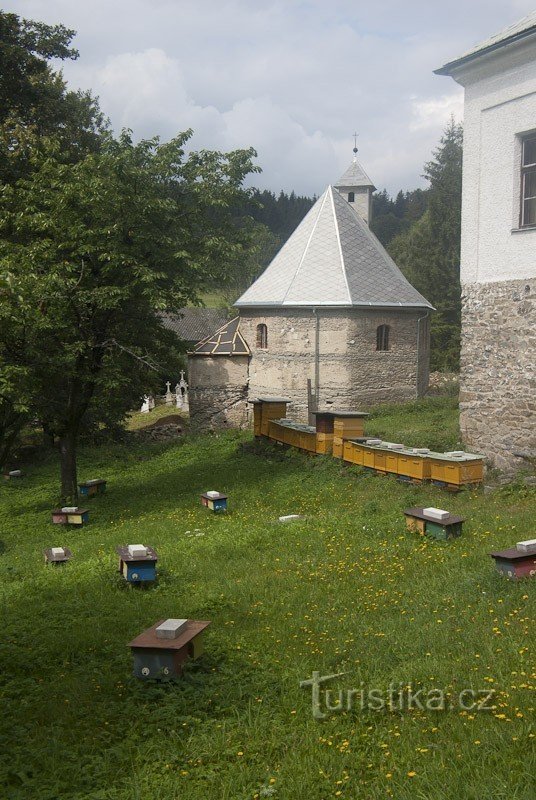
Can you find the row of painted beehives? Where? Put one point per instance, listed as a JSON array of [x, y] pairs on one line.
[[341, 434], [160, 651]]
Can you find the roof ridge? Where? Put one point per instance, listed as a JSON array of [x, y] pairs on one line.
[[343, 264], [302, 259]]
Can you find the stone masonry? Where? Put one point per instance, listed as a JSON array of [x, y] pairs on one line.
[[351, 373], [218, 391], [498, 372]]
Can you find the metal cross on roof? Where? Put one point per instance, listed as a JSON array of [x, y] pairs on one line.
[[355, 142]]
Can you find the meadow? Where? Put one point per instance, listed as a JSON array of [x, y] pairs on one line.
[[348, 589]]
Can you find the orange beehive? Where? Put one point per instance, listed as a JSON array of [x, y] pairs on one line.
[[456, 469], [270, 408], [348, 424], [324, 443], [414, 465]]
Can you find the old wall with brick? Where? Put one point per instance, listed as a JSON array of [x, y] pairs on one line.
[[498, 371], [218, 391], [350, 371]]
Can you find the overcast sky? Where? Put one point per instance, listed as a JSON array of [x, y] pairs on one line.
[[292, 78]]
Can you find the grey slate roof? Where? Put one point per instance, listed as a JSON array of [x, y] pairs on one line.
[[194, 324], [519, 30], [227, 341], [355, 175], [332, 259]]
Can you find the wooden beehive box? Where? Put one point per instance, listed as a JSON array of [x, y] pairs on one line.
[[92, 487], [413, 464], [57, 555], [215, 501], [438, 527], [515, 563], [456, 469], [337, 451], [271, 408], [160, 657], [70, 515], [137, 563], [348, 424]]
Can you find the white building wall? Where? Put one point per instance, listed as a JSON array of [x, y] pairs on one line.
[[500, 104]]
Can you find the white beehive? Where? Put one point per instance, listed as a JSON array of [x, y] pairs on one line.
[[57, 552], [436, 513], [171, 628]]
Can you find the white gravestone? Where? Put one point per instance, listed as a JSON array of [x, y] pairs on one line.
[[145, 405]]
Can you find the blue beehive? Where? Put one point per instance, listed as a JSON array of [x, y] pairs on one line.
[[137, 563]]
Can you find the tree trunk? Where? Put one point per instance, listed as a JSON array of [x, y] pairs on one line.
[[69, 483]]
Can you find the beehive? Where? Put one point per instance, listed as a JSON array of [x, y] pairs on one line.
[[413, 464], [456, 469], [157, 657], [439, 526], [70, 515], [215, 501], [269, 408], [137, 563], [515, 563], [337, 450], [348, 424], [92, 487], [57, 555]]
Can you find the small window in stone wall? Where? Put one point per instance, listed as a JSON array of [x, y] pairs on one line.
[[382, 337], [262, 337], [351, 197]]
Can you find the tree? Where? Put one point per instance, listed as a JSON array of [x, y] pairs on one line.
[[429, 253], [93, 251], [34, 100]]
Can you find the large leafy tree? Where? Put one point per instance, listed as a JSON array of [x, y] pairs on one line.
[[34, 99], [92, 251], [429, 253]]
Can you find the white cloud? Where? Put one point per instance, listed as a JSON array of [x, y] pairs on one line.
[[436, 112], [292, 79]]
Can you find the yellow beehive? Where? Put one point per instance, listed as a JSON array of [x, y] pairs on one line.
[[415, 525], [271, 409], [413, 465], [391, 462], [348, 427], [324, 443], [380, 460], [276, 431], [257, 417], [337, 447], [352, 452], [369, 453], [307, 441], [456, 470]]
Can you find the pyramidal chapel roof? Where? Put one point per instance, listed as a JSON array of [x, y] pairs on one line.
[[332, 259], [355, 175]]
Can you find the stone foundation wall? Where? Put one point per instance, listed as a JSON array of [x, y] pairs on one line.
[[218, 391], [498, 372], [351, 372]]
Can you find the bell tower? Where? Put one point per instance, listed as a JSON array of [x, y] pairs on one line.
[[356, 187]]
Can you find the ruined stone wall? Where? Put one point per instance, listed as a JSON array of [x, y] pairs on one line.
[[498, 371], [218, 391], [351, 372]]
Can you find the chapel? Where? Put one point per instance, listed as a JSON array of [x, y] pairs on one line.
[[331, 323]]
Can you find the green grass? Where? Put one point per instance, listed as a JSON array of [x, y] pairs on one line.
[[347, 590]]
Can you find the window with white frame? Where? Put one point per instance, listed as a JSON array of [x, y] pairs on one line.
[[528, 181]]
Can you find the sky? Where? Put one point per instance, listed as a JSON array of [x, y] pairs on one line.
[[292, 78]]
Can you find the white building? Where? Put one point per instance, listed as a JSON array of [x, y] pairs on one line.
[[498, 253]]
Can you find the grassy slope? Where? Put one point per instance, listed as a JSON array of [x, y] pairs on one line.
[[348, 590]]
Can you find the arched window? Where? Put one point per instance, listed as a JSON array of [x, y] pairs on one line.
[[262, 337], [351, 197], [382, 337]]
